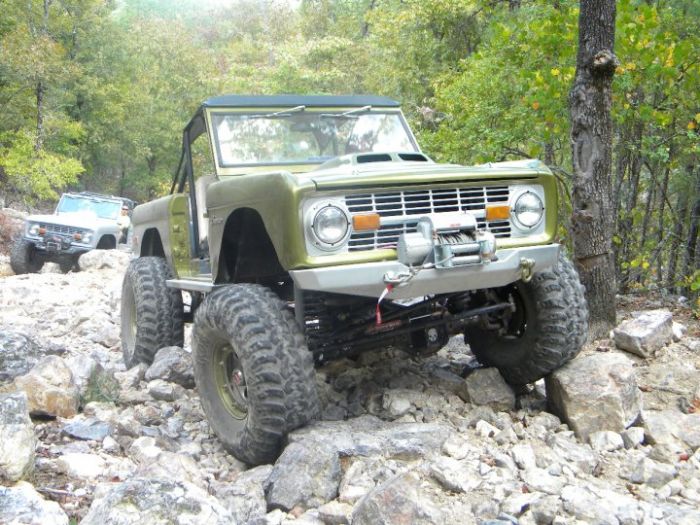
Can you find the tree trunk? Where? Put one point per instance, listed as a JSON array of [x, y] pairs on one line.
[[691, 243], [681, 211], [40, 91], [590, 100]]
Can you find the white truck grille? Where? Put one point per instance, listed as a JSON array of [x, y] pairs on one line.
[[59, 228], [400, 211]]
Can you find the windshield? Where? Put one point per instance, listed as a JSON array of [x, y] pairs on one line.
[[302, 137], [77, 204]]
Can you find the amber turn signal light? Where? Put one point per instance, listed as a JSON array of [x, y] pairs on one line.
[[366, 222], [42, 231], [497, 213]]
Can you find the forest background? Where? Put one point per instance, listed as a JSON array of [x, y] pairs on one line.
[[94, 94]]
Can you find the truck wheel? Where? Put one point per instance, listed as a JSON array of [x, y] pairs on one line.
[[23, 258], [547, 329], [151, 314], [66, 265], [253, 370]]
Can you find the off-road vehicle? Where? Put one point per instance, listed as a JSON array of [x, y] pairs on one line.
[[82, 222], [301, 229]]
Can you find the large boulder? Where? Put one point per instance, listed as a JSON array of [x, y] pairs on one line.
[[22, 504], [99, 259], [486, 386], [672, 428], [646, 333], [595, 392], [143, 500], [50, 388], [19, 352], [17, 438], [306, 475], [172, 364]]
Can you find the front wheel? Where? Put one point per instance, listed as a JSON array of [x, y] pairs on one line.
[[548, 327], [152, 313], [253, 371], [24, 258]]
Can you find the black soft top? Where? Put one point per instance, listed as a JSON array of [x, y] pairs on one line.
[[324, 101]]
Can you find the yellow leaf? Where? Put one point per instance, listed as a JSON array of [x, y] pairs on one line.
[[555, 72], [535, 105], [645, 265], [691, 125], [697, 117]]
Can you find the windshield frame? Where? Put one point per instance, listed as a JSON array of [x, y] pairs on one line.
[[301, 165]]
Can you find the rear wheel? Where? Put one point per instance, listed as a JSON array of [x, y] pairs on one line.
[[24, 257], [548, 327], [151, 313], [253, 371]]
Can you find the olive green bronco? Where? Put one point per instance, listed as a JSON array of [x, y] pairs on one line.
[[301, 229]]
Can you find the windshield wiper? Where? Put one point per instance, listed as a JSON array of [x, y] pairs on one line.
[[347, 114], [282, 113]]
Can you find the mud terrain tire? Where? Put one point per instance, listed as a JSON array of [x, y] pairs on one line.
[[552, 326], [151, 313], [253, 371], [23, 258]]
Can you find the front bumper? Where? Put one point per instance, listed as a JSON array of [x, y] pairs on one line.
[[368, 279], [57, 248]]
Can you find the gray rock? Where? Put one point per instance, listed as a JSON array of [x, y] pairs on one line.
[[398, 500], [678, 331], [163, 391], [606, 441], [50, 388], [19, 352], [457, 476], [645, 333], [21, 504], [652, 473], [633, 437], [486, 386], [541, 481], [397, 402], [579, 457], [672, 428], [172, 364], [88, 429], [143, 500], [587, 506], [17, 438], [595, 392], [306, 474], [81, 465], [449, 382], [245, 496], [545, 509], [335, 513], [524, 456]]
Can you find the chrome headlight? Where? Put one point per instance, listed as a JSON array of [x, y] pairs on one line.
[[528, 210], [86, 237], [330, 225], [33, 229]]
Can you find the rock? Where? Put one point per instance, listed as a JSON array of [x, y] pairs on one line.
[[50, 388], [586, 506], [17, 438], [305, 475], [580, 458], [398, 500], [646, 333], [524, 456], [678, 330], [545, 509], [457, 476], [19, 352], [606, 441], [672, 428], [335, 513], [486, 386], [245, 496], [142, 500], [652, 473], [540, 480], [88, 429], [99, 259], [163, 391], [485, 429], [397, 402], [132, 377], [633, 437], [21, 504], [595, 392], [80, 465], [172, 364]]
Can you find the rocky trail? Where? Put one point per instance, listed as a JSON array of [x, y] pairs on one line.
[[82, 440]]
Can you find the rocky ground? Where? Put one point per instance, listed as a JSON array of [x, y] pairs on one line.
[[402, 440]]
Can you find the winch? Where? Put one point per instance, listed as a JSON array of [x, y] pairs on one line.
[[446, 240]]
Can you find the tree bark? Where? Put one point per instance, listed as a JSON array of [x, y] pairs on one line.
[[691, 243], [682, 210], [592, 219]]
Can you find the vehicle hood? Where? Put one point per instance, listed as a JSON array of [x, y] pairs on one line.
[[75, 220], [375, 174]]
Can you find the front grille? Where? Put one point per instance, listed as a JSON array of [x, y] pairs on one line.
[[58, 228], [404, 208]]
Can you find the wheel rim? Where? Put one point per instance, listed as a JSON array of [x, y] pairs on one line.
[[230, 381], [517, 324]]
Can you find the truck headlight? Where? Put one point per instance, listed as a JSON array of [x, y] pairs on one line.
[[330, 224], [86, 237], [528, 209], [33, 229]]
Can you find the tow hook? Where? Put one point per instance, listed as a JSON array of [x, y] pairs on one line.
[[526, 266]]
